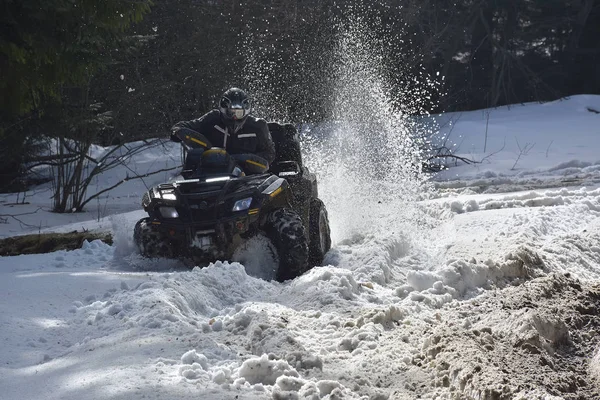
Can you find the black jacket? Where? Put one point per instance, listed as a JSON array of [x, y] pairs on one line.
[[253, 137]]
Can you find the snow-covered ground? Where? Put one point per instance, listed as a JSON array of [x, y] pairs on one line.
[[492, 291]]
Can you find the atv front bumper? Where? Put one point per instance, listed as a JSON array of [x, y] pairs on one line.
[[202, 242]]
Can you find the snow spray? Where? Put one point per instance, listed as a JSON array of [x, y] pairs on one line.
[[368, 152]]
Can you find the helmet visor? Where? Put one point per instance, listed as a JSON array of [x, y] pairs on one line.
[[235, 109], [237, 113]]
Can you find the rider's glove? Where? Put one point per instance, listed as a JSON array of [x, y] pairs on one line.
[[174, 137]]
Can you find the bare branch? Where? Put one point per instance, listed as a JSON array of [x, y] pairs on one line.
[[487, 123], [452, 122], [4, 218], [495, 152], [123, 181], [444, 153], [454, 156], [548, 149], [102, 165], [523, 151], [51, 160]]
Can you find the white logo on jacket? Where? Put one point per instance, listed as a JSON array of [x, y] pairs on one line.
[[225, 135]]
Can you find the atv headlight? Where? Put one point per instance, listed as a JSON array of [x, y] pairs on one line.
[[168, 212], [242, 204], [168, 195]]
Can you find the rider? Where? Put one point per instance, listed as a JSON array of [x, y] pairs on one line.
[[232, 127]]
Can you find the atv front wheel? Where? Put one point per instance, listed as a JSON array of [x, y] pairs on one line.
[[285, 230], [149, 241], [320, 233]]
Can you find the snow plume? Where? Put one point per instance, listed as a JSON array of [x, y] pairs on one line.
[[368, 158], [362, 137]]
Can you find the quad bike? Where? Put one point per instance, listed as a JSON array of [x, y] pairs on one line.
[[225, 199]]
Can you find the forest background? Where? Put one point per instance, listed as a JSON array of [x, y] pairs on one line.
[[87, 72]]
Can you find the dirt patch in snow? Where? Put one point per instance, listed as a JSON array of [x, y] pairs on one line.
[[534, 341]]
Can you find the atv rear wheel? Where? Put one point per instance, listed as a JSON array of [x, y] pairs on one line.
[[285, 230], [149, 241], [320, 233]]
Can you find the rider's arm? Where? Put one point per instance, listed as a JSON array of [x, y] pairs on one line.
[[200, 125]]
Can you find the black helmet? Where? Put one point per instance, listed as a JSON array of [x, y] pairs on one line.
[[235, 106]]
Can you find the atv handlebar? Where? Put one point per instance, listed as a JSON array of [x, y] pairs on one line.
[[251, 163], [190, 139]]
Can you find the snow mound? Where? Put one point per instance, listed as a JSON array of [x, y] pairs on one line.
[[509, 334], [195, 365], [265, 370]]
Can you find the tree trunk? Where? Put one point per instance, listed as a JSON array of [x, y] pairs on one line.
[[482, 56], [501, 87], [571, 67]]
